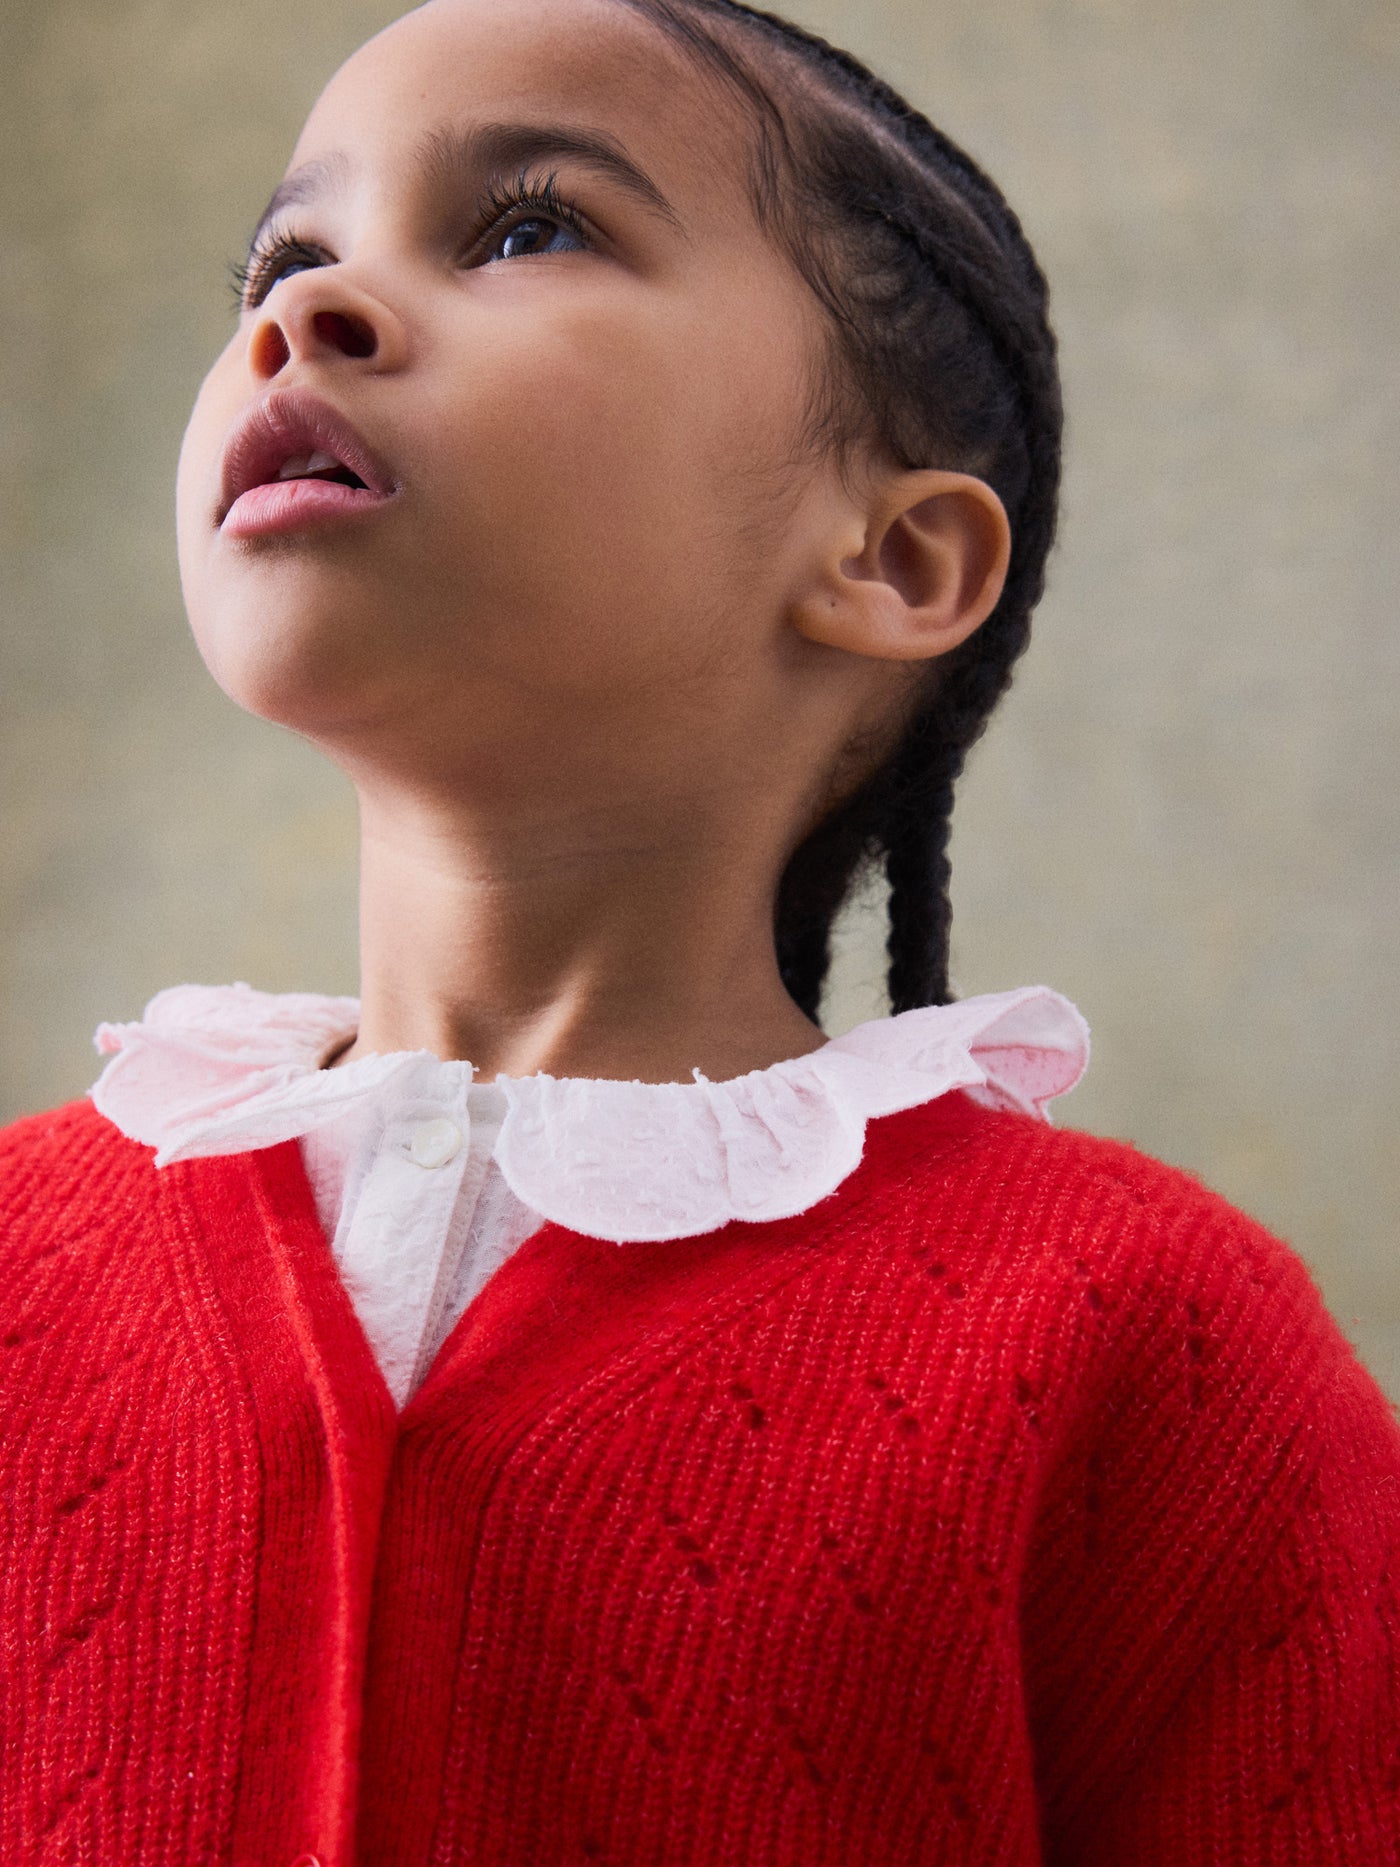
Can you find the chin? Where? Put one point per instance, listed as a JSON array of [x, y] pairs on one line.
[[303, 671]]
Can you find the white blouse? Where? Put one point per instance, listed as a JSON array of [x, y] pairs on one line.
[[426, 1180]]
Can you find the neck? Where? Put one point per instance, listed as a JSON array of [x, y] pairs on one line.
[[626, 942]]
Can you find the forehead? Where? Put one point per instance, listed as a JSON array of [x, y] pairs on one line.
[[580, 63]]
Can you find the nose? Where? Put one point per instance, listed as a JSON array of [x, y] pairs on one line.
[[320, 316]]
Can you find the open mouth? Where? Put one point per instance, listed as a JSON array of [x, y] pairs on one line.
[[293, 460], [318, 466]]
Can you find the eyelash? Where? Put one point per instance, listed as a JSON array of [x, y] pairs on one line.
[[503, 206]]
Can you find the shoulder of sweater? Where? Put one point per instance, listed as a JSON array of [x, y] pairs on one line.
[[1170, 1260], [1059, 1172], [61, 1155], [53, 1133], [1199, 1326]]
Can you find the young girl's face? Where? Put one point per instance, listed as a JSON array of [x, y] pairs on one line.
[[585, 408]]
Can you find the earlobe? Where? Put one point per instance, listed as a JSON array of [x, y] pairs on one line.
[[930, 568]]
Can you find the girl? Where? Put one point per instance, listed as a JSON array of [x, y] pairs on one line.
[[559, 1407]]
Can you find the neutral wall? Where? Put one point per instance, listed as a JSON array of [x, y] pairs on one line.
[[1187, 814]]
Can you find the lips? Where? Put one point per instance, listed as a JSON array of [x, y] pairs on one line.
[[292, 439]]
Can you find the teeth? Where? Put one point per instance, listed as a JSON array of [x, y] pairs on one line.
[[303, 464]]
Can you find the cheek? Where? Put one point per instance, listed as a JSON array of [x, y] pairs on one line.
[[615, 474]]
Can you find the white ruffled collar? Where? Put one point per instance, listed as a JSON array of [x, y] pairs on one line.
[[223, 1069]]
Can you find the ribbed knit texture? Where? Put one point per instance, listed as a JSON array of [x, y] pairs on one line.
[[1018, 1503]]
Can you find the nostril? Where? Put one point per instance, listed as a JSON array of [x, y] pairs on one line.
[[350, 335], [270, 352]]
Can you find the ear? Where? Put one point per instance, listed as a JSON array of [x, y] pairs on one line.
[[915, 573]]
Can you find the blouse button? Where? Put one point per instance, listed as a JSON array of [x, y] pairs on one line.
[[434, 1143], [306, 1860]]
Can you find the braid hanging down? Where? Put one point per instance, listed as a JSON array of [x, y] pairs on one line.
[[943, 354]]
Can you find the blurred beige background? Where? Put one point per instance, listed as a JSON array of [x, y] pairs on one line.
[[1187, 815]]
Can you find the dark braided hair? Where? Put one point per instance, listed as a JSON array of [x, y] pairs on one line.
[[942, 356]]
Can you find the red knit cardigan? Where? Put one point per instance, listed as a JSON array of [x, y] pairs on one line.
[[1018, 1503]]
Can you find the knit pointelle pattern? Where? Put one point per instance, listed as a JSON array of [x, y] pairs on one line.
[[1019, 1504]]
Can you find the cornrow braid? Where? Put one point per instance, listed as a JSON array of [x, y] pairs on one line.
[[942, 355]]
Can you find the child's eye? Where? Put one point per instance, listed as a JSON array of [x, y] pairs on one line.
[[264, 266], [535, 235], [527, 218]]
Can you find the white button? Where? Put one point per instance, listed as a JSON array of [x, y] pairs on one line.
[[435, 1142]]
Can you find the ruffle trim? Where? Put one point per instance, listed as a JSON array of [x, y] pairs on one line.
[[222, 1069]]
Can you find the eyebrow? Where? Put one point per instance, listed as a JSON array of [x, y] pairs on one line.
[[452, 156]]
